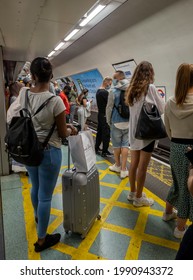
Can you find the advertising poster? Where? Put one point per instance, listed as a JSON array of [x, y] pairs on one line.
[[127, 67], [91, 80]]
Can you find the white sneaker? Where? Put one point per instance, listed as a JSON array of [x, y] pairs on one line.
[[124, 174], [169, 217], [179, 233], [115, 168], [143, 201], [131, 196]]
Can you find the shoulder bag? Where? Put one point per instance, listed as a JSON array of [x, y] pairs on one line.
[[150, 125]]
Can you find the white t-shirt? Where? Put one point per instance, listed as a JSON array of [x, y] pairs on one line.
[[44, 120]]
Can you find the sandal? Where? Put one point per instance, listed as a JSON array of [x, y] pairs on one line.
[[50, 240]]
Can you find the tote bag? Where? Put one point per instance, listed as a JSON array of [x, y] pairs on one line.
[[82, 151], [150, 125]]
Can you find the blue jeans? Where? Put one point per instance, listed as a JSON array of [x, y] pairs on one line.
[[44, 178]]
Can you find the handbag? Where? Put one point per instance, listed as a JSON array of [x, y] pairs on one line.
[[150, 125], [82, 151]]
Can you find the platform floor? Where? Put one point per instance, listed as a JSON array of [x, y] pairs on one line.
[[123, 233]]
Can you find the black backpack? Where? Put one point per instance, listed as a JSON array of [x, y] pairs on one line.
[[122, 108], [21, 140]]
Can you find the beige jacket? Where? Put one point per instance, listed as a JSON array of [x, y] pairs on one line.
[[179, 119]]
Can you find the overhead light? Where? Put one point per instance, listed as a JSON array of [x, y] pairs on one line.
[[59, 46], [71, 34], [50, 54], [92, 15]]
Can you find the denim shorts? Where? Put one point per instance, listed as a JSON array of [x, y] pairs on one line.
[[119, 137]]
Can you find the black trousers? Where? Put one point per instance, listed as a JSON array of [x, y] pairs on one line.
[[103, 133], [185, 251]]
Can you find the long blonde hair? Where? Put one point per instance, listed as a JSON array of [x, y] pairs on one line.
[[184, 81], [142, 77]]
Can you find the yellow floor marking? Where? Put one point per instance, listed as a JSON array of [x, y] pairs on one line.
[[65, 249], [30, 226], [160, 171], [58, 189], [137, 234], [133, 249], [55, 224]]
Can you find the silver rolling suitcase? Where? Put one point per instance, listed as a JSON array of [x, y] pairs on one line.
[[81, 199]]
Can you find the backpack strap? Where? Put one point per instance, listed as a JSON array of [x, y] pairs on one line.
[[41, 106], [116, 107], [44, 144]]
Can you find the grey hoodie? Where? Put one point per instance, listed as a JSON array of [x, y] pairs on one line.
[[122, 85], [179, 119]]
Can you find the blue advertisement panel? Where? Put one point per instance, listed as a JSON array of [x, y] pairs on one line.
[[91, 80]]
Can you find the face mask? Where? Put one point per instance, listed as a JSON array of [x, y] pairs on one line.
[[115, 82], [108, 87]]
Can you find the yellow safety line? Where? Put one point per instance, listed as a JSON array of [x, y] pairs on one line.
[[30, 227]]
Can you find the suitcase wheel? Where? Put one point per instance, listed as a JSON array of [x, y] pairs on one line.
[[99, 217]]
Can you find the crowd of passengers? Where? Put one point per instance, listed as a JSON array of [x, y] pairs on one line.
[[178, 116]]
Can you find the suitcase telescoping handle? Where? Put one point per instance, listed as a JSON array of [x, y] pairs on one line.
[[68, 156], [73, 168]]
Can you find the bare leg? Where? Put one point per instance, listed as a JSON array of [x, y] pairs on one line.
[[181, 223], [169, 208], [117, 153], [124, 154], [142, 170], [133, 169]]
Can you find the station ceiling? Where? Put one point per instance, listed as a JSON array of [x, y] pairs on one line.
[[34, 28]]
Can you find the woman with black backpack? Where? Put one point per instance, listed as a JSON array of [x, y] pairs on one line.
[[44, 176]]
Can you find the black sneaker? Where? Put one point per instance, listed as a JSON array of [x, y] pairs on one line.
[[107, 154], [98, 151], [50, 240]]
